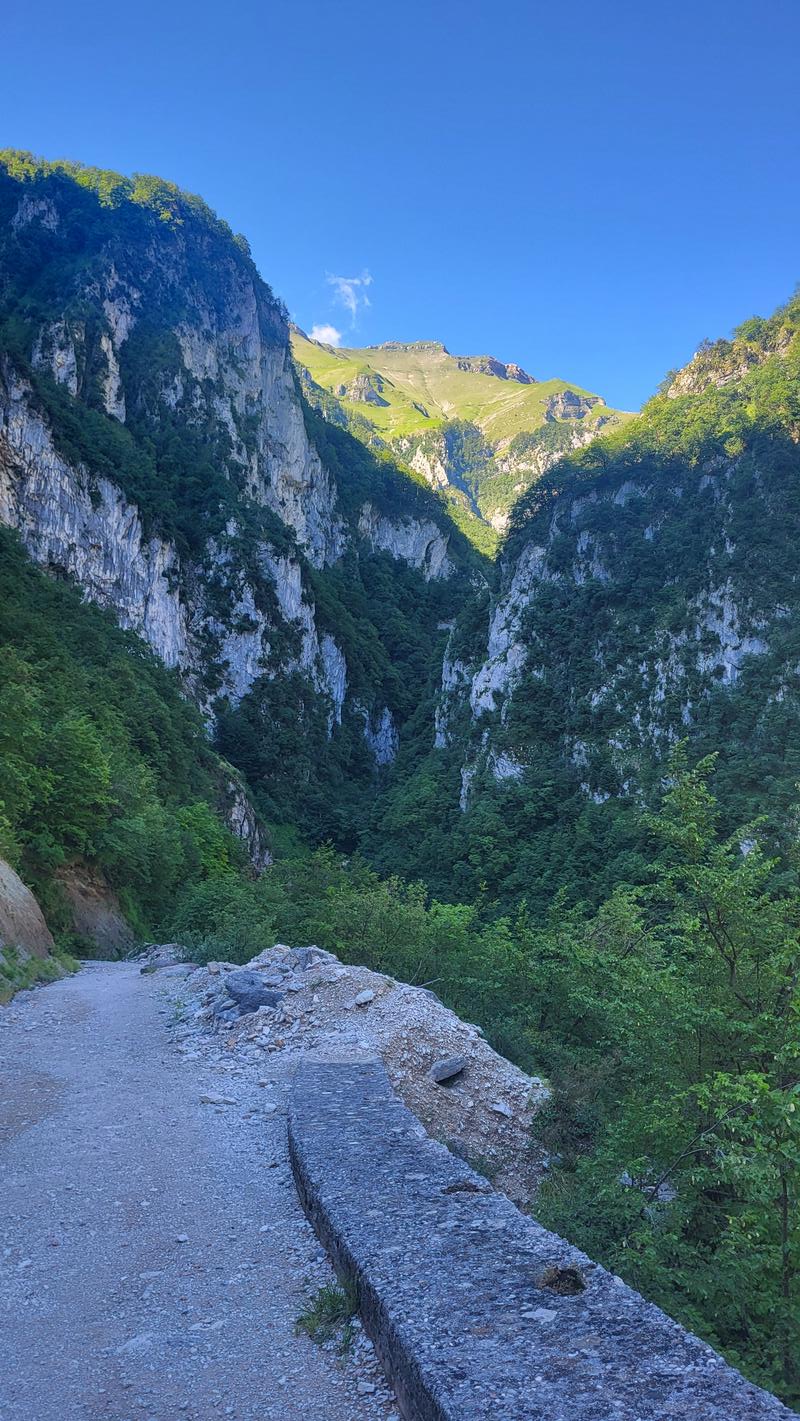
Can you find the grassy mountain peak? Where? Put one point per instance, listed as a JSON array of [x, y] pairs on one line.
[[477, 427]]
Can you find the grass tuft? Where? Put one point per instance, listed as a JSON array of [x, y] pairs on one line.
[[332, 1308]]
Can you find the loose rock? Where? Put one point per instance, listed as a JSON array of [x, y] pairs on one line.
[[250, 992], [353, 1013], [447, 1069]]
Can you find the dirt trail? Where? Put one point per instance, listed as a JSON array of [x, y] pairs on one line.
[[153, 1256]]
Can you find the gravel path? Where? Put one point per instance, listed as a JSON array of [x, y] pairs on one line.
[[153, 1254]]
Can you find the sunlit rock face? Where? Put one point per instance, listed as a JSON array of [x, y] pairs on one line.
[[85, 528], [163, 356]]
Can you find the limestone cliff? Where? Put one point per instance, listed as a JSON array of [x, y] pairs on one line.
[[155, 448], [647, 593]]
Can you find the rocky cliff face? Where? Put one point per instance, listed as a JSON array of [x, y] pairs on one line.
[[84, 527], [648, 592], [419, 542], [22, 924], [223, 351], [153, 444]]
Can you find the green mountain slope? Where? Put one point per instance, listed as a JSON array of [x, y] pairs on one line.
[[470, 424], [103, 762], [649, 592]]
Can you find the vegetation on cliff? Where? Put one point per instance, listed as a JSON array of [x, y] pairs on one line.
[[479, 430], [617, 914], [102, 759], [663, 603]]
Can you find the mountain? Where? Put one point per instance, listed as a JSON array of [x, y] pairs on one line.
[[347, 647], [648, 594], [476, 428], [154, 450]]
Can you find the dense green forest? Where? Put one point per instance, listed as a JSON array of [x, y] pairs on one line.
[[696, 504]]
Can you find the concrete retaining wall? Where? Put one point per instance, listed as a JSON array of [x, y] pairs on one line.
[[476, 1312]]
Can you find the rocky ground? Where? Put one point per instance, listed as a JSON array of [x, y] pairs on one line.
[[290, 1004], [155, 1258]]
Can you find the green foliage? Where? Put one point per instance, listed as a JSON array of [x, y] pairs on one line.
[[669, 1026], [667, 1023], [224, 918], [19, 970], [328, 1313], [169, 203], [101, 756]]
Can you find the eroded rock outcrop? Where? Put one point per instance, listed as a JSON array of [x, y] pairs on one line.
[[418, 541], [22, 923]]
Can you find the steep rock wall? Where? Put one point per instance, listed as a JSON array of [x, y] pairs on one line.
[[74, 524], [604, 609]]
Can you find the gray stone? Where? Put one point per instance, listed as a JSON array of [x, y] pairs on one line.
[[462, 1294], [447, 1069], [306, 957], [250, 992]]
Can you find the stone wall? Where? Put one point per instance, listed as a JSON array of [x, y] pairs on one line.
[[475, 1310]]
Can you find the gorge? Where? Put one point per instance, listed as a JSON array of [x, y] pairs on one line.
[[268, 667]]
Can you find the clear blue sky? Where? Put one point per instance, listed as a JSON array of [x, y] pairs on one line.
[[586, 189]]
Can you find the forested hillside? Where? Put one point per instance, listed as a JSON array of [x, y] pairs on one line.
[[649, 594], [102, 759], [560, 787]]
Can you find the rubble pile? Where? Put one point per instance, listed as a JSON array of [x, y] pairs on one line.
[[304, 1003]]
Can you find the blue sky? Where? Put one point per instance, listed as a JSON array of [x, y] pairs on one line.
[[586, 189]]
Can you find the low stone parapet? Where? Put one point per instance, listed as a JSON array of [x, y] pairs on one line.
[[478, 1313]]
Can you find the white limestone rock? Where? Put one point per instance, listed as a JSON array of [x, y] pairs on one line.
[[417, 541]]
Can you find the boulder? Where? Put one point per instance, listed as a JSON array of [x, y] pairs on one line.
[[249, 991], [448, 1069], [22, 922], [159, 955]]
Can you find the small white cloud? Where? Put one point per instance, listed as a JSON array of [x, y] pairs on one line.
[[351, 292], [326, 335]]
